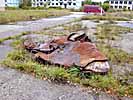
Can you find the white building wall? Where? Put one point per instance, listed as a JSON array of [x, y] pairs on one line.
[[2, 5], [121, 4], [12, 3], [70, 4]]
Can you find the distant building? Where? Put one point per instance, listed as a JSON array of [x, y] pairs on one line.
[[12, 3], [2, 5], [121, 4], [70, 4]]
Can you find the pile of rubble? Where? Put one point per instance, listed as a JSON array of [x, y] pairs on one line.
[[73, 50]]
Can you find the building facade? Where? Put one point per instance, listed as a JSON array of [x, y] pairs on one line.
[[2, 5], [12, 3], [121, 4], [70, 4]]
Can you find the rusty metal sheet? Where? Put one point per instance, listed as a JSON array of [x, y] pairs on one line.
[[69, 51]]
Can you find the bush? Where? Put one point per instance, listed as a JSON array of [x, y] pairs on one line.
[[105, 6]]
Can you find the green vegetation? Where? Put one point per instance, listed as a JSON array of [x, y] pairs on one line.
[[112, 16], [105, 6], [124, 14], [73, 27], [21, 15], [25, 3], [88, 2], [110, 31], [115, 55], [22, 60], [106, 33], [106, 17], [13, 37]]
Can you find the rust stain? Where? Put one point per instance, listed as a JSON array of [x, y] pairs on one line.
[[75, 49]]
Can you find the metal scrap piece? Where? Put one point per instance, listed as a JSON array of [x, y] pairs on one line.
[[72, 50]]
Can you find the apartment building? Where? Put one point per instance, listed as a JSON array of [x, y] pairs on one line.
[[2, 5], [70, 4], [12, 3], [121, 4]]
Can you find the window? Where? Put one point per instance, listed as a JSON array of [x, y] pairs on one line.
[[128, 8], [56, 3], [130, 2], [116, 2], [115, 6], [120, 7], [74, 3], [41, 3], [112, 2], [125, 2], [69, 3], [121, 2], [125, 7], [52, 3], [61, 3]]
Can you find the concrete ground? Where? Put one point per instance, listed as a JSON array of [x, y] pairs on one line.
[[15, 85]]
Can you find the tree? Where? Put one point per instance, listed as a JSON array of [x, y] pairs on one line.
[[87, 2], [25, 3], [105, 6], [106, 1]]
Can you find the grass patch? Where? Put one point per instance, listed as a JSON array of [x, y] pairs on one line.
[[125, 14], [106, 33], [115, 55], [110, 31], [106, 17], [22, 15], [14, 37], [22, 60], [112, 16], [73, 27]]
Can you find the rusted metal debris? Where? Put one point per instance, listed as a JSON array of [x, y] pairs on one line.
[[75, 49]]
